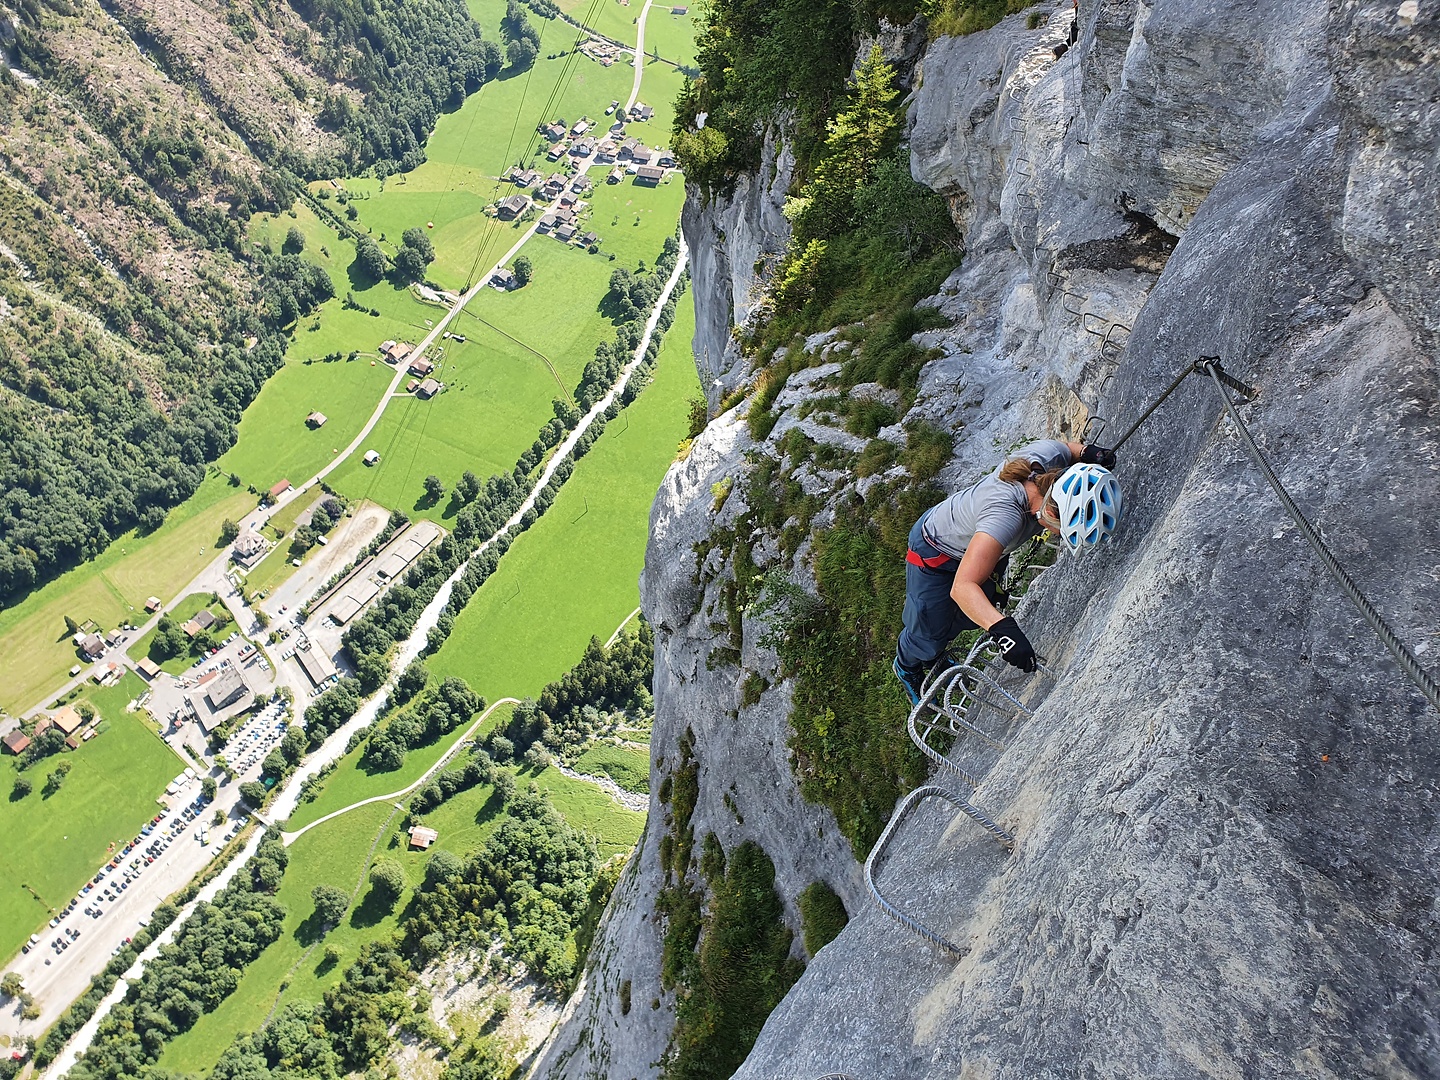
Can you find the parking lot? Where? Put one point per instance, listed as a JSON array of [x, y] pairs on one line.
[[245, 751], [57, 965]]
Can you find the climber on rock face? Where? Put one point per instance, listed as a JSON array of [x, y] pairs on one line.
[[959, 549]]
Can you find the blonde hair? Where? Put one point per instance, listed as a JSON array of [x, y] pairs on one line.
[[1019, 470]]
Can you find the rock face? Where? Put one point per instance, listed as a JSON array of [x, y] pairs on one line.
[[732, 237], [1226, 802]]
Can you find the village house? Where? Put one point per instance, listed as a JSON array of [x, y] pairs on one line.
[[546, 223], [112, 638], [554, 132], [611, 107], [503, 279], [371, 458], [148, 668], [429, 388], [422, 836], [556, 152], [17, 742], [589, 240], [682, 10], [649, 174], [67, 719], [527, 178], [617, 129], [565, 232], [153, 604], [109, 675], [248, 548], [581, 127], [665, 159], [512, 207], [615, 175], [421, 367], [641, 155], [565, 216], [605, 152], [582, 148], [581, 184], [395, 352], [204, 620], [554, 185], [316, 419], [279, 488], [92, 647], [411, 385]]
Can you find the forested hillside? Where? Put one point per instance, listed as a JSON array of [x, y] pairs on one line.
[[136, 321]]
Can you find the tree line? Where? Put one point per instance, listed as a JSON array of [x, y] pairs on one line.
[[193, 974]]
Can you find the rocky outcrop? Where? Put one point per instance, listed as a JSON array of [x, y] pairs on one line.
[[1226, 801], [734, 237]]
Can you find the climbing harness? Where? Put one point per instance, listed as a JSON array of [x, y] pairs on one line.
[[954, 703]]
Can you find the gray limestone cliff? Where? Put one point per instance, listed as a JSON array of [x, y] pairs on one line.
[[1225, 802]]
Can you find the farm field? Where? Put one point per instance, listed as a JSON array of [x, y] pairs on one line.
[[532, 619], [111, 589], [54, 844], [672, 35]]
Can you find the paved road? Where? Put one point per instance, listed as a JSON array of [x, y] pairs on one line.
[[639, 55]]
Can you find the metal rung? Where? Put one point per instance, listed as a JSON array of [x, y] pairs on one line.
[[1055, 278], [1005, 839], [1014, 126], [1092, 435], [1028, 233], [1027, 200], [1112, 350], [1078, 313], [1105, 323]]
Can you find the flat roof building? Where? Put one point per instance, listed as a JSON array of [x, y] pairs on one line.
[[317, 666], [226, 690]]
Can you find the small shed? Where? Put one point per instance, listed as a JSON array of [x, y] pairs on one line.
[[371, 458], [281, 486], [148, 668], [153, 604], [316, 419], [422, 836]]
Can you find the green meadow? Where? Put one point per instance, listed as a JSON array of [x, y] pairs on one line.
[[111, 589], [628, 767], [340, 853], [575, 572], [54, 843]]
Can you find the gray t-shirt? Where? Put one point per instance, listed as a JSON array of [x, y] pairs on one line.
[[992, 506]]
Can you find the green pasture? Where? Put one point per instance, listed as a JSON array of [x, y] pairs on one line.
[[672, 35], [628, 768], [111, 589], [335, 854], [590, 810], [350, 782], [498, 384], [53, 845], [575, 572], [185, 610], [634, 220]]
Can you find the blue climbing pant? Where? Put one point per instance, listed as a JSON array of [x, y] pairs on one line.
[[931, 618]]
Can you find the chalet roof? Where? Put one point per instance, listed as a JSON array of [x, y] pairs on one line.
[[248, 543], [205, 619], [16, 741], [429, 388], [280, 487], [67, 719]]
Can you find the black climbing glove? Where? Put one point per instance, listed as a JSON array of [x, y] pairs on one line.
[[1098, 455], [1014, 645]]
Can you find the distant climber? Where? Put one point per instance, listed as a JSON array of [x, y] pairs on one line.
[[959, 549]]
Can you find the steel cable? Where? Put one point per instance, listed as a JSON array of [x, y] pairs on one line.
[[1408, 661]]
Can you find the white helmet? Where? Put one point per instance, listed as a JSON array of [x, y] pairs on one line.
[[1088, 498]]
